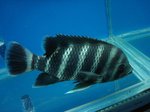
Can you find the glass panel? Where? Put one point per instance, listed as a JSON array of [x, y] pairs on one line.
[[129, 15], [124, 20], [142, 45], [140, 39], [126, 87], [27, 22]]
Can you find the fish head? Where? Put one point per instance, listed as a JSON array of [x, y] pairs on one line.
[[124, 68]]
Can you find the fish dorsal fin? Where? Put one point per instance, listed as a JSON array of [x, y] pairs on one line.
[[52, 43], [77, 39]]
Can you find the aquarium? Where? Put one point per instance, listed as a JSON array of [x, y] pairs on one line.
[[124, 24]]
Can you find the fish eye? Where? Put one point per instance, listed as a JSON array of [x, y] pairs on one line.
[[121, 68]]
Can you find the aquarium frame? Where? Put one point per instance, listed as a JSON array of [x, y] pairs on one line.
[[140, 64]]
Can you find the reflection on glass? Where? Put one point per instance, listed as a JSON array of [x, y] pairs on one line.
[[27, 104]]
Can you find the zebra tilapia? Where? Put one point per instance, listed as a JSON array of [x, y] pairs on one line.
[[85, 60]]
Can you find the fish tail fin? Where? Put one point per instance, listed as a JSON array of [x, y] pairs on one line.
[[2, 48], [18, 59]]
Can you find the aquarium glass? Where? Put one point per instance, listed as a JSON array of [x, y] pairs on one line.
[[29, 22]]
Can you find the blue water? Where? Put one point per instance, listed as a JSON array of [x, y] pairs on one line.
[[29, 22]]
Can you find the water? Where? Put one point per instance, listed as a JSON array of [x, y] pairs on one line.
[[29, 22]]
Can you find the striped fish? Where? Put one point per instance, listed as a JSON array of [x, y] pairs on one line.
[[85, 60]]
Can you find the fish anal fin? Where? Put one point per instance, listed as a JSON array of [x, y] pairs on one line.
[[84, 80], [80, 87], [45, 79]]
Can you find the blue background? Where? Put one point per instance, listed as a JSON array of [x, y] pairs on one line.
[[29, 21]]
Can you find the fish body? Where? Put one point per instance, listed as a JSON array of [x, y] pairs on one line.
[[85, 60]]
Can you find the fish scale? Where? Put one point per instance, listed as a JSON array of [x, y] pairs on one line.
[[103, 59], [65, 59], [98, 55], [112, 55], [82, 56], [89, 61], [72, 63]]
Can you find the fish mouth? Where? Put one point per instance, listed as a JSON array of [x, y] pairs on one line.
[[130, 71]]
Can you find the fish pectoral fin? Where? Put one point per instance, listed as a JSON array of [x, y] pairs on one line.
[[45, 79], [87, 77]]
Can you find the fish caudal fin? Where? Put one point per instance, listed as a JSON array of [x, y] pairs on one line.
[[18, 59], [2, 49]]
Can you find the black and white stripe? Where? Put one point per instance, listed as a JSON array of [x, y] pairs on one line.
[[117, 74], [55, 61], [98, 54], [72, 63], [18, 59], [82, 56], [40, 63], [116, 66], [111, 56], [49, 63], [35, 62], [103, 59], [29, 56], [64, 61], [89, 58], [47, 67], [112, 65]]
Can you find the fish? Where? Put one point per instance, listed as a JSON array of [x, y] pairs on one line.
[[83, 60]]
